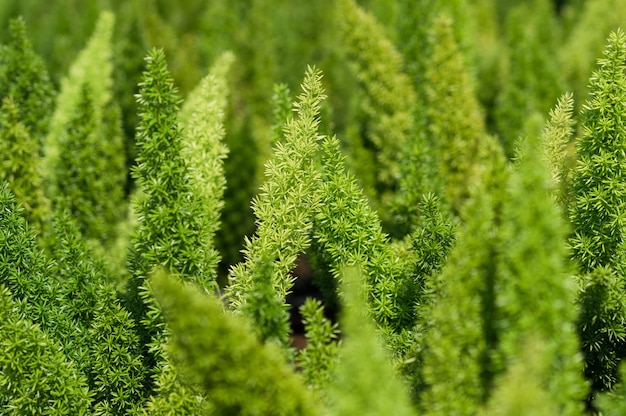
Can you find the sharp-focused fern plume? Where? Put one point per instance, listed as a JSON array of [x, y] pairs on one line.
[[35, 376], [284, 210], [597, 215], [172, 230]]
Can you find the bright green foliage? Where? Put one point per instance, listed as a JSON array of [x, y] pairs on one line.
[[577, 57], [24, 270], [414, 20], [79, 277], [468, 292], [116, 370], [432, 241], [457, 367], [430, 245], [93, 67], [614, 403], [282, 110], [84, 150], [284, 209], [24, 79], [418, 178], [532, 79], [171, 219], [158, 30], [597, 216], [348, 231], [267, 310], [172, 230], [521, 391], [21, 164], [535, 292], [420, 165], [217, 352], [364, 382], [388, 102], [597, 211], [173, 397], [455, 124], [602, 325], [97, 334], [319, 357], [26, 104], [557, 138], [81, 183], [35, 376], [202, 122]]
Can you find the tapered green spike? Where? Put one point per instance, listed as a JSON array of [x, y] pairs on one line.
[[285, 208], [598, 213], [26, 103], [84, 151], [364, 381], [218, 352]]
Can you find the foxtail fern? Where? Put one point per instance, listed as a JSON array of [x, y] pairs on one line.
[[24, 79], [388, 103], [84, 150], [532, 80], [458, 367], [348, 231], [25, 108], [218, 352], [319, 357], [557, 139], [116, 369], [284, 209], [597, 214], [356, 388], [36, 378], [535, 291], [171, 231], [455, 124], [24, 269], [202, 122]]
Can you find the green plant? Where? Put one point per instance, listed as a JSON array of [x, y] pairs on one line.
[[459, 275], [84, 150], [35, 376], [455, 123], [531, 80], [557, 141], [209, 344], [363, 362], [26, 93], [202, 122], [319, 358], [172, 230], [284, 209], [388, 102], [597, 215], [535, 290]]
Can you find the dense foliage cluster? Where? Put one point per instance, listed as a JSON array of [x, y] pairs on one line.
[[446, 177]]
